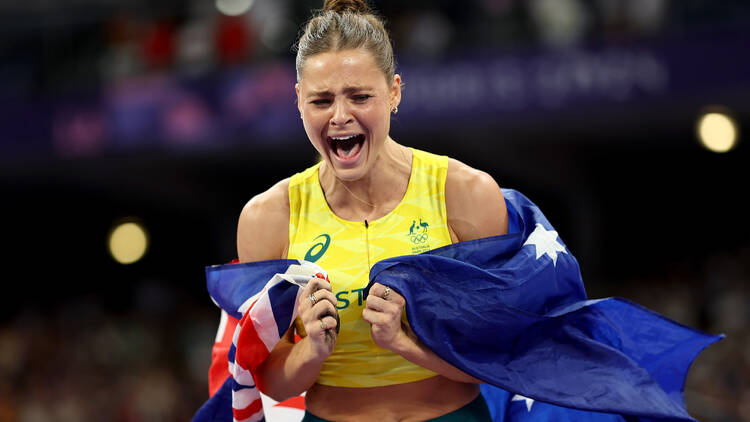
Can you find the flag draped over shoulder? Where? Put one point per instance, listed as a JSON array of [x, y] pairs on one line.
[[510, 310]]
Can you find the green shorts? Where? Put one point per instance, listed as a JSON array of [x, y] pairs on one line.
[[476, 411]]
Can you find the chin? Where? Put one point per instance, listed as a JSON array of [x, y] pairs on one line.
[[349, 174]]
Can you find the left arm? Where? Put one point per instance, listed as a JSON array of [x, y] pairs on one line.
[[384, 316], [476, 209], [475, 203]]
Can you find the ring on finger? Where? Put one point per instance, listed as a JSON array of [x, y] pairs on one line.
[[312, 298], [386, 292], [323, 325]]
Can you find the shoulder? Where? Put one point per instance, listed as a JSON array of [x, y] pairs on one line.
[[474, 203], [263, 227]]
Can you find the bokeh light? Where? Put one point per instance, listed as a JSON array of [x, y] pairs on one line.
[[233, 7], [128, 242], [717, 131]]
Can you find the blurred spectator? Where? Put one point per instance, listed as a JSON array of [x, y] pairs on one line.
[[274, 24], [83, 363], [621, 17], [428, 36], [234, 40], [560, 23], [158, 45], [195, 49], [712, 295], [121, 57]]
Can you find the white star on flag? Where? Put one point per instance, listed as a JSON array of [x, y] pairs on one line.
[[545, 242], [529, 402]]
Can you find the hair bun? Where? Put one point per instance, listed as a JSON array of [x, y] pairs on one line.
[[341, 6]]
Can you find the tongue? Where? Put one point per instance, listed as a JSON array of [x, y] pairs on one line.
[[349, 148]]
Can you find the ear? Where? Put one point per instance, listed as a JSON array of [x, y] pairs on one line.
[[299, 102], [396, 91]]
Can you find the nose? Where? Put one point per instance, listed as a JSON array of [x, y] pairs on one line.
[[341, 114]]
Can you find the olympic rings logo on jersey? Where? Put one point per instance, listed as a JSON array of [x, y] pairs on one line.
[[418, 232], [419, 238]]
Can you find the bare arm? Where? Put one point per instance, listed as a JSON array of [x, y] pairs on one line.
[[476, 209], [475, 204], [262, 234], [263, 227]]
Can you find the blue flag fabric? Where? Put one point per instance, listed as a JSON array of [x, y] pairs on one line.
[[512, 310], [218, 408]]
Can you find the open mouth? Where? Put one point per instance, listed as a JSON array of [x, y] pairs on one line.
[[346, 146]]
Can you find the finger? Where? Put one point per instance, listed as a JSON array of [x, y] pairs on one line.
[[330, 323], [314, 292], [316, 304], [324, 308], [325, 296], [316, 284], [376, 303], [313, 287], [306, 302], [312, 317], [321, 283], [326, 325], [374, 317], [390, 306], [332, 311], [386, 293], [393, 296], [377, 289]]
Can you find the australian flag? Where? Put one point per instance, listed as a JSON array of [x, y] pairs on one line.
[[510, 310]]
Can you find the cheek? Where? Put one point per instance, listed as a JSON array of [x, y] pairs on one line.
[[381, 122], [313, 124], [376, 119], [313, 130]]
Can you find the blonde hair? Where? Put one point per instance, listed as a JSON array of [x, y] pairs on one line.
[[344, 25]]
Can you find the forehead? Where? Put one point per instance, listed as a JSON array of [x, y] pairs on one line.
[[333, 70]]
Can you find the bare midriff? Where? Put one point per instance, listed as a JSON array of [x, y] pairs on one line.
[[414, 401]]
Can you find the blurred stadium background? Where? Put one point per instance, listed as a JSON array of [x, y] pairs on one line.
[[173, 114]]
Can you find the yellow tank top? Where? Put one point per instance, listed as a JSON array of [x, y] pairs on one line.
[[348, 249]]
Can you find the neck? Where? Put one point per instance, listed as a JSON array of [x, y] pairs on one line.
[[377, 192]]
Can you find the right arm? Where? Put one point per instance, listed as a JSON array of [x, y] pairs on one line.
[[263, 234]]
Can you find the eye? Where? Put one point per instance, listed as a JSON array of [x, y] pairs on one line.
[[321, 102], [360, 98]]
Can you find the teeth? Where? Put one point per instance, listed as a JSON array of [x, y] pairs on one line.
[[343, 138]]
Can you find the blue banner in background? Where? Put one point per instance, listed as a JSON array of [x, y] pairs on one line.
[[490, 88]]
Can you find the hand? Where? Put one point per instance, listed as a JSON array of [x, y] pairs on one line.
[[383, 309], [317, 311]]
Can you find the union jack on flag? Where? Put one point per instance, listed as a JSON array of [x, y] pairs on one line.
[[263, 319]]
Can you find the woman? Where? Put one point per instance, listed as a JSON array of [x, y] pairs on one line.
[[369, 198]]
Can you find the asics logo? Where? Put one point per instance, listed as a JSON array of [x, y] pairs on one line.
[[317, 250]]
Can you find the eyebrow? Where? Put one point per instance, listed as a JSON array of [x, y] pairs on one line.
[[347, 90]]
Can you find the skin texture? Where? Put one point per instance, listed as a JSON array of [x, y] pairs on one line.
[[342, 93]]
